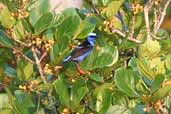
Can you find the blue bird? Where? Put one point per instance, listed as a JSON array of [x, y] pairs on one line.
[[81, 51]]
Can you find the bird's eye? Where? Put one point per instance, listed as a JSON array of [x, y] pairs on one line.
[[92, 36]]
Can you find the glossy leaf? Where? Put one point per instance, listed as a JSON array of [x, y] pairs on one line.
[[79, 90], [144, 68], [113, 8], [96, 77], [85, 27], [126, 80], [149, 49], [157, 83], [4, 40], [168, 62], [22, 102], [103, 98], [161, 93], [4, 101], [39, 8], [69, 26], [59, 49], [19, 30], [105, 56], [24, 70], [62, 90], [43, 23], [9, 21]]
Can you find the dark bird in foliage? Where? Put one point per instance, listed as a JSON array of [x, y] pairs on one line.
[[81, 51]]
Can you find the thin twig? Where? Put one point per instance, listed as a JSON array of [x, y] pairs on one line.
[[132, 26], [113, 30], [24, 56], [155, 19], [118, 32], [38, 63], [43, 56], [147, 22], [158, 38], [162, 16], [20, 42], [134, 40]]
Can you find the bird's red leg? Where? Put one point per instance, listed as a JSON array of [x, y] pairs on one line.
[[79, 69]]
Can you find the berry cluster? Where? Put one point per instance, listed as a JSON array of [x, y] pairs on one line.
[[47, 69], [157, 2], [136, 8], [157, 106], [110, 24], [30, 86], [40, 43], [67, 111], [21, 13]]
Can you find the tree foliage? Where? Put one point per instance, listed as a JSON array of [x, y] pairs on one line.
[[128, 72]]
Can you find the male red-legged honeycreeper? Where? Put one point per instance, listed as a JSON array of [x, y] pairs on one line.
[[81, 51]]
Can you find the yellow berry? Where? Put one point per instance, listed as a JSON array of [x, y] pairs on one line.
[[20, 86], [65, 110]]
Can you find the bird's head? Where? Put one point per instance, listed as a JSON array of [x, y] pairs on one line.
[[91, 37]]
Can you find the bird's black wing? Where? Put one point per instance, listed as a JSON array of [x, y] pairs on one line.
[[83, 44], [80, 51]]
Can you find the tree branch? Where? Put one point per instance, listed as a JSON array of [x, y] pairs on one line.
[[162, 17], [38, 63], [147, 22], [24, 56], [113, 30]]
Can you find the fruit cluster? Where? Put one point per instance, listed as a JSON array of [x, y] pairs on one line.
[[136, 8], [40, 42], [47, 69], [30, 86], [21, 12]]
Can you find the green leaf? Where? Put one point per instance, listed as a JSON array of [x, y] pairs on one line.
[[6, 19], [69, 26], [102, 56], [22, 103], [126, 80], [19, 30], [145, 69], [59, 49], [117, 109], [149, 49], [39, 8], [157, 65], [9, 71], [24, 70], [4, 40], [157, 83], [43, 23], [103, 98], [85, 27], [61, 89], [96, 77], [113, 8], [79, 90], [168, 62], [161, 93], [4, 101], [6, 111], [106, 2]]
